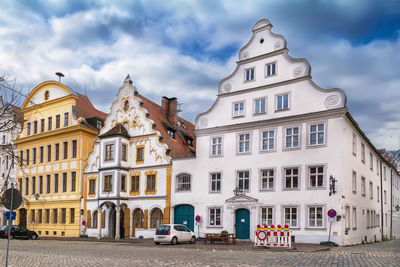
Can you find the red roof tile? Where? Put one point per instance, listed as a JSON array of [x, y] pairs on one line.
[[85, 109]]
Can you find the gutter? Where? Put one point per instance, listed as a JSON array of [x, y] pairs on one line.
[[381, 201], [391, 204]]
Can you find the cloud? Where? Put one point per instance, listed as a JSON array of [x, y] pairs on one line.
[[184, 48]]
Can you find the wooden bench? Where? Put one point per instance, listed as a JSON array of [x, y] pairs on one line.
[[228, 239]]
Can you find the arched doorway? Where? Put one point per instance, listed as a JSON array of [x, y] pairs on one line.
[[111, 222], [184, 214], [242, 224], [22, 217], [121, 223]]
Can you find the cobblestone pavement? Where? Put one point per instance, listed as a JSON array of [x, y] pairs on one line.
[[82, 253]]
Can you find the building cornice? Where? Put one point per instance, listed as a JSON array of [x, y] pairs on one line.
[[314, 116], [267, 55]]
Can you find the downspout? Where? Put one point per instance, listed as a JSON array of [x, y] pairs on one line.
[[391, 204], [381, 202]]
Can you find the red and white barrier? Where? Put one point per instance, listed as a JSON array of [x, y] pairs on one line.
[[269, 236]]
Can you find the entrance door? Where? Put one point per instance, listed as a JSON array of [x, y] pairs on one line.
[[22, 218], [242, 224], [184, 214]]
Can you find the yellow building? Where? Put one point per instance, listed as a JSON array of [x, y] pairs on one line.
[[59, 128]]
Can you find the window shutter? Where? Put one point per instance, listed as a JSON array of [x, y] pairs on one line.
[[126, 221], [89, 220], [103, 219], [146, 219], [166, 216]]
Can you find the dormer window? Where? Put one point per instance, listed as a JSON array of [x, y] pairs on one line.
[[270, 69], [171, 133], [183, 125], [249, 75], [99, 124]]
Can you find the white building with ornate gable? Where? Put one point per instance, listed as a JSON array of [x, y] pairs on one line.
[[276, 137], [128, 176]]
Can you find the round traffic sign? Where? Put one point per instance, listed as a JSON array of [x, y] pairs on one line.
[[16, 198], [261, 235], [198, 218], [331, 213]]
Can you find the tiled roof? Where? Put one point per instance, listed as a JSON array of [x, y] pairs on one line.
[[85, 109], [118, 129], [178, 147]]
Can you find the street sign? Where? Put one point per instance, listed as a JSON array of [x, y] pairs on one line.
[[331, 219], [198, 218], [14, 215], [16, 201], [331, 213]]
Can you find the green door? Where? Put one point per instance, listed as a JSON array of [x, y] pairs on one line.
[[242, 224], [184, 214]]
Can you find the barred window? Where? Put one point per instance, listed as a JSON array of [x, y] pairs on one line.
[[183, 182]]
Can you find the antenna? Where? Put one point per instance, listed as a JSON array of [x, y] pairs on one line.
[[59, 74], [179, 109]]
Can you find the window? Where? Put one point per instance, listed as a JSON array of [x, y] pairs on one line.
[[371, 190], [214, 217], [33, 185], [384, 173], [55, 217], [126, 105], [316, 176], [48, 183], [66, 119], [42, 125], [249, 75], [268, 140], [34, 155], [64, 182], [260, 106], [41, 154], [292, 137], [156, 217], [267, 216], [98, 124], [362, 153], [65, 150], [384, 197], [291, 216], [63, 215], [270, 69], [28, 128], [354, 218], [95, 217], [40, 184], [291, 178], [317, 134], [107, 183], [377, 165], [377, 193], [35, 127], [40, 216], [138, 218], [135, 183], [315, 215], [363, 186], [183, 182], [21, 158], [56, 183], [243, 180], [48, 153], [267, 179], [47, 216], [123, 152], [123, 183], [371, 161], [58, 121], [33, 216], [215, 182], [347, 217], [171, 133], [57, 152], [27, 157], [20, 185], [26, 186], [216, 146], [72, 215], [244, 143], [46, 95], [354, 144], [49, 123], [238, 109], [151, 182], [354, 182], [282, 102], [92, 186], [140, 154], [74, 149]]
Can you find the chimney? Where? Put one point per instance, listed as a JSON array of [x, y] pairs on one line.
[[169, 107]]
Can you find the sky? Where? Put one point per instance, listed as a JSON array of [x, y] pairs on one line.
[[185, 48]]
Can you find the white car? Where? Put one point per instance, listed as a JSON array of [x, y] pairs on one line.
[[173, 233]]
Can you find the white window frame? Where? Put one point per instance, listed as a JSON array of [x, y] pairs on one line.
[[354, 182], [297, 216], [240, 114], [244, 141], [178, 184], [354, 218], [268, 177], [276, 101], [317, 132], [216, 145], [285, 147], [315, 219], [245, 74], [323, 186], [298, 178], [209, 225], [244, 179], [268, 139], [362, 152], [210, 175], [354, 144], [347, 217], [371, 161], [255, 112], [272, 213], [371, 190], [275, 69], [363, 188]]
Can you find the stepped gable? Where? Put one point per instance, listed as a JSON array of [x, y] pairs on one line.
[[85, 108], [178, 147], [118, 129]]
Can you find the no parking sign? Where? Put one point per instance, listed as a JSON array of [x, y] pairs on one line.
[[331, 213], [198, 218]]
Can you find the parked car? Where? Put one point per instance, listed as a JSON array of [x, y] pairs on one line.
[[18, 232], [173, 233]]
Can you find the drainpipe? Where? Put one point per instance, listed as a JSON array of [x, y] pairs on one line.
[[381, 202], [391, 198]]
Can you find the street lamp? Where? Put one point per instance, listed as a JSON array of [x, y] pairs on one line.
[[237, 191], [37, 196]]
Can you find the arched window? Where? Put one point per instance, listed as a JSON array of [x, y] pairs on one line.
[[94, 224], [138, 218], [126, 105], [155, 218], [183, 182]]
